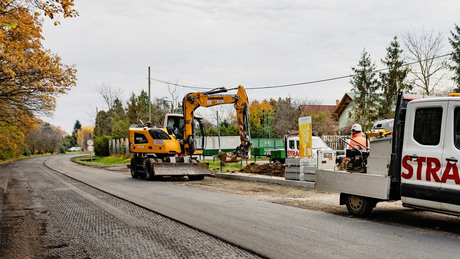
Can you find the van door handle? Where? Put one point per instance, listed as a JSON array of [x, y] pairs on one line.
[[414, 157], [452, 159]]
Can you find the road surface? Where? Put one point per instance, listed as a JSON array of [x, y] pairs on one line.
[[264, 228]]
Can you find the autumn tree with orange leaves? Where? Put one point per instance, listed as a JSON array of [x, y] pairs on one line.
[[256, 117], [31, 77]]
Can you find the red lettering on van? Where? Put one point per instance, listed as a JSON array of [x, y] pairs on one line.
[[420, 161], [432, 170], [451, 167], [433, 166], [410, 170]]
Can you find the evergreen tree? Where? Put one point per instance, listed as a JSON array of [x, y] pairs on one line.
[[365, 85], [392, 81], [455, 43], [138, 108], [76, 128], [103, 124], [119, 120]]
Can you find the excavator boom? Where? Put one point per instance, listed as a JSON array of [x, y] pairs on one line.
[[211, 98]]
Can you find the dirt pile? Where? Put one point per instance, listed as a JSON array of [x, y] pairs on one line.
[[272, 169]]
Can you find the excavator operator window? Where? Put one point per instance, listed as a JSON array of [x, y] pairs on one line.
[[158, 134], [140, 138]]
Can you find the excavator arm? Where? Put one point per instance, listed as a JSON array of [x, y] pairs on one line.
[[211, 98]]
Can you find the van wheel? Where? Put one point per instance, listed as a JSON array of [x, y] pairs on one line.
[[359, 206]]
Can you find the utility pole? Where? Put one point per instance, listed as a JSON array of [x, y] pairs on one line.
[[218, 130], [150, 103]]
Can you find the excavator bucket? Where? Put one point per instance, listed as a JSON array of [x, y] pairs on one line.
[[228, 157], [180, 169]]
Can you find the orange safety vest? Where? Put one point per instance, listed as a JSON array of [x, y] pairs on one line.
[[358, 138]]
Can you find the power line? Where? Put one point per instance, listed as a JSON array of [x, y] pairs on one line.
[[302, 83]]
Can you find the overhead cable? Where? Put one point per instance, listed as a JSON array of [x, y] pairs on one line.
[[302, 83]]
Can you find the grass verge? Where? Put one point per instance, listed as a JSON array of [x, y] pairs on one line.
[[104, 160]]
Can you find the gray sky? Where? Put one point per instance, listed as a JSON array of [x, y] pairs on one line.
[[210, 43]]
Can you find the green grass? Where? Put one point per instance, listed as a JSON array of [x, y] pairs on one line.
[[105, 160]]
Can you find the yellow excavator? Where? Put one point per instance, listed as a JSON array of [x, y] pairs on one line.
[[173, 150]]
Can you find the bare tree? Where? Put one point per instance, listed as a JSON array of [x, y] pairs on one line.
[[109, 94], [44, 139], [174, 94], [424, 49]]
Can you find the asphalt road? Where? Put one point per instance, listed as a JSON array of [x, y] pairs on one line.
[[268, 229], [44, 214]]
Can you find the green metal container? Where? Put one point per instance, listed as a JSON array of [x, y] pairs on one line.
[[278, 154], [258, 151]]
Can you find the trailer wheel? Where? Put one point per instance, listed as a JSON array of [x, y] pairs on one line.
[[359, 206], [134, 172]]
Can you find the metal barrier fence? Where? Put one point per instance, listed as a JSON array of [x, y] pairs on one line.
[[119, 146]]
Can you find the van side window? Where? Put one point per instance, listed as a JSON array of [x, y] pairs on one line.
[[457, 127], [427, 126], [291, 144], [139, 138]]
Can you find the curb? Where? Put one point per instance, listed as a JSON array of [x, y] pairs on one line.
[[265, 179]]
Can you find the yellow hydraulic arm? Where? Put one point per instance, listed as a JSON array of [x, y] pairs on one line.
[[211, 98]]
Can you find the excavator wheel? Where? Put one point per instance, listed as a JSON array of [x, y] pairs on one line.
[[148, 168], [133, 167]]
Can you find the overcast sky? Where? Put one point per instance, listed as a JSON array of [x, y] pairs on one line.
[[221, 43]]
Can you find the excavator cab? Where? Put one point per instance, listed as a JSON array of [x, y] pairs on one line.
[[175, 125]]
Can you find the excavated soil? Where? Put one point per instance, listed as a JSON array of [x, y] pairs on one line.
[[271, 169]]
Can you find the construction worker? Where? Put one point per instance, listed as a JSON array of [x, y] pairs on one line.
[[358, 140]]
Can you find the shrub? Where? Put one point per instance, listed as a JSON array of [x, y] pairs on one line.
[[26, 152], [62, 149], [101, 145]]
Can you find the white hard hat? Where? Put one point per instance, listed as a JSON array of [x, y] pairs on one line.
[[356, 127]]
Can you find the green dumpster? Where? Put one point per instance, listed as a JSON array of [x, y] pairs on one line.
[[258, 151]]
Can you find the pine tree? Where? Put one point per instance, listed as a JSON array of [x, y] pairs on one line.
[[392, 81], [76, 128], [455, 43], [365, 85]]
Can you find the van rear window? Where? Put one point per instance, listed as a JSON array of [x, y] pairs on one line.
[[427, 128], [457, 127]]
